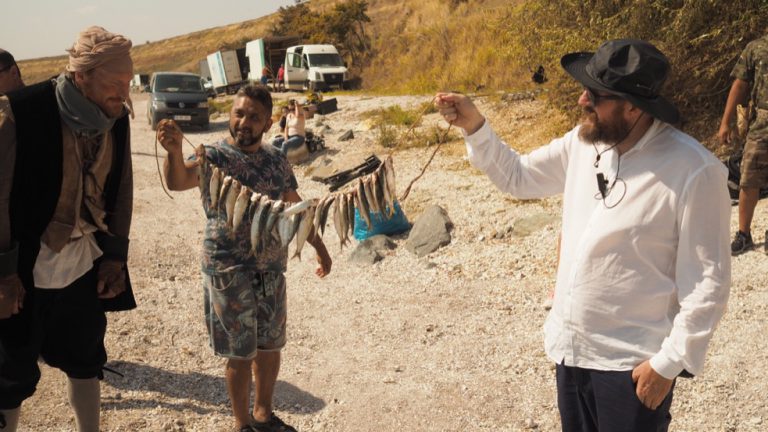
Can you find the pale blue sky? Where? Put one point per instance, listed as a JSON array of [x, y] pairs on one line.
[[42, 28]]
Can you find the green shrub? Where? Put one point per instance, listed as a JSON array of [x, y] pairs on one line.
[[387, 135]]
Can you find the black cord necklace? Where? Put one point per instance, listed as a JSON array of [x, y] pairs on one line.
[[602, 183]]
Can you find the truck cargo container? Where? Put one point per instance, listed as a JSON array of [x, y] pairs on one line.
[[229, 70]]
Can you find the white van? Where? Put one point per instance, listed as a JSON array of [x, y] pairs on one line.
[[314, 67]]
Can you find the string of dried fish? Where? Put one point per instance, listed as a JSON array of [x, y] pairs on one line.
[[283, 221]]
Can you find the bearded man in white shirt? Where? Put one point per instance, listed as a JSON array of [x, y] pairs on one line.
[[644, 272]]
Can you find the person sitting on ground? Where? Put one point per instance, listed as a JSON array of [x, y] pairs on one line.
[[10, 76], [278, 140], [295, 134]]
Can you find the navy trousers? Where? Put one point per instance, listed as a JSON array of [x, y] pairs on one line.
[[605, 401]]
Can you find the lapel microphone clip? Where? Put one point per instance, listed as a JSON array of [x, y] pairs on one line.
[[602, 184]]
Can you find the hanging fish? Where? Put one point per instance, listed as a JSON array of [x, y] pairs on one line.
[[225, 184], [305, 228], [258, 222], [213, 188], [203, 168], [338, 215], [274, 212], [362, 204], [241, 205], [229, 203]]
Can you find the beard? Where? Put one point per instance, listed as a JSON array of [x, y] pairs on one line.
[[610, 131], [244, 137]]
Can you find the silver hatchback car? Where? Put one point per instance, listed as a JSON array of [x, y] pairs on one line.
[[179, 96]]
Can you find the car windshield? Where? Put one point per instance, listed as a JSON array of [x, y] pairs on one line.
[[178, 84], [330, 59]]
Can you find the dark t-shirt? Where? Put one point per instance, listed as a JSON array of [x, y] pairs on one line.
[[265, 171]]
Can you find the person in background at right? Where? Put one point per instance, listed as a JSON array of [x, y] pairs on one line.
[[749, 84], [10, 76]]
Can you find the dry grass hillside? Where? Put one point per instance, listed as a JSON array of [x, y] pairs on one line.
[[418, 47]]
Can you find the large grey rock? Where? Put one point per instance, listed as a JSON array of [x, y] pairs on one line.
[[369, 251], [430, 232], [365, 254]]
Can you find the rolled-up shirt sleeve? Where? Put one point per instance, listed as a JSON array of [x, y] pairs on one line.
[[702, 272], [7, 160], [538, 174]]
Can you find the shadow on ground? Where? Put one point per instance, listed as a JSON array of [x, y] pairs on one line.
[[206, 393]]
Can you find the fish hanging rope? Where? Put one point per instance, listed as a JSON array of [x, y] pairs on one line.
[[423, 170], [440, 142], [157, 161]]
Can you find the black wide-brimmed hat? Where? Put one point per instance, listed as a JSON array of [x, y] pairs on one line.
[[632, 69]]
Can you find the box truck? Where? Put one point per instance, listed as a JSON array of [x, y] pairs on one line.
[[139, 82], [314, 67], [205, 71], [229, 70], [267, 52]]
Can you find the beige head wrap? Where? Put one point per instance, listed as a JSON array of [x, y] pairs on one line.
[[97, 47]]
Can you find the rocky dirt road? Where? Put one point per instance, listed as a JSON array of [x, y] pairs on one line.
[[449, 342]]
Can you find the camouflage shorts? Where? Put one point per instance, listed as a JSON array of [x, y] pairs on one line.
[[245, 312], [754, 164]]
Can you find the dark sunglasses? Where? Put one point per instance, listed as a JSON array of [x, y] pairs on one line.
[[595, 98]]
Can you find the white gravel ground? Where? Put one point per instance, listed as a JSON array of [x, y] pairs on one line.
[[449, 342]]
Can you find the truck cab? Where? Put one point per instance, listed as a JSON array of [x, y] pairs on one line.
[[314, 67]]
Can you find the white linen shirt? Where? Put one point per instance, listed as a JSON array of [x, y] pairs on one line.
[[647, 278]]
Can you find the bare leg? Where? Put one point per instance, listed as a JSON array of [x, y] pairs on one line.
[[747, 202], [266, 366], [238, 376], [85, 398], [11, 419]]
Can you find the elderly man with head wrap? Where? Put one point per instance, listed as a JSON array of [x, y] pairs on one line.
[[65, 212]]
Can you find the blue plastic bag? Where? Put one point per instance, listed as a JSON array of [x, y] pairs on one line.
[[380, 224]]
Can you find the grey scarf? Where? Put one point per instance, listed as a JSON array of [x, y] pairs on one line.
[[80, 114]]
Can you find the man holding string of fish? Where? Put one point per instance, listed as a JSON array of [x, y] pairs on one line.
[[644, 270], [243, 262]]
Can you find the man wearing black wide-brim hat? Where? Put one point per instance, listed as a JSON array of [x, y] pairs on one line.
[[644, 272]]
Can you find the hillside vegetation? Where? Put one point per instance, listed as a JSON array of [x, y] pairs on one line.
[[493, 45]]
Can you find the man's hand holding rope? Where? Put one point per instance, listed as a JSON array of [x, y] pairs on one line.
[[459, 110]]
